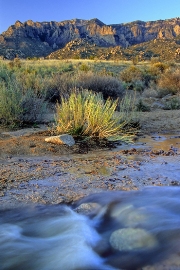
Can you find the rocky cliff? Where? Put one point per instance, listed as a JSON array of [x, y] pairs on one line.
[[30, 39]]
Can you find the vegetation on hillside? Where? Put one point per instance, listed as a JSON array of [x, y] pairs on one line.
[[160, 49]]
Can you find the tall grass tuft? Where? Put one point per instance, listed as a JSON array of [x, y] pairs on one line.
[[86, 113]]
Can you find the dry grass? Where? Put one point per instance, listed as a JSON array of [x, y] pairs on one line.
[[86, 113]]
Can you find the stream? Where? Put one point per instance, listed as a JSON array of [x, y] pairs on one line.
[[127, 215]]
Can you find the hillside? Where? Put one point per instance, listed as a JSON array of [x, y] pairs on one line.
[[35, 39], [86, 49], [164, 50]]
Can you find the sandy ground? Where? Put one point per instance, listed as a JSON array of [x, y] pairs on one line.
[[160, 121]]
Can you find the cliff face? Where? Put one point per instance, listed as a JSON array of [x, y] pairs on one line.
[[31, 39]]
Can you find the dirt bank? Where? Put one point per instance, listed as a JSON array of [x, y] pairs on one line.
[[30, 142], [35, 171]]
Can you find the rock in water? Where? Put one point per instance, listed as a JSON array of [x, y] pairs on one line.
[[132, 239], [61, 139]]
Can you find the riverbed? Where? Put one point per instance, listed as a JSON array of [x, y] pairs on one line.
[[150, 168], [151, 161]]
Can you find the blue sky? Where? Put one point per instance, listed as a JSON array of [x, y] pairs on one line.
[[108, 11]]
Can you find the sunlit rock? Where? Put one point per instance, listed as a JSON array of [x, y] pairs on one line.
[[61, 139]]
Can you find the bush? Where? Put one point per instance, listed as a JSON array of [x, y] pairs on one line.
[[138, 86], [60, 85], [107, 85], [86, 113], [130, 74], [31, 81], [161, 67], [142, 107], [17, 108], [150, 93], [33, 108], [10, 103], [135, 78], [84, 67], [16, 63], [170, 81], [173, 104]]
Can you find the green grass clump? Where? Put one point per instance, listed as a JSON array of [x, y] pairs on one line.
[[86, 113]]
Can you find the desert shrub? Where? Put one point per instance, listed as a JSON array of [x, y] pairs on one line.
[[150, 92], [142, 107], [68, 67], [59, 85], [84, 67], [161, 93], [170, 81], [135, 60], [32, 108], [138, 85], [17, 108], [33, 81], [5, 74], [10, 103], [155, 71], [86, 113], [130, 74], [92, 57], [173, 104], [56, 84], [16, 63], [160, 66], [135, 78], [107, 85], [154, 60], [150, 75]]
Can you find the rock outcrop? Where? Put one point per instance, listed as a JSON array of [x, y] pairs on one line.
[[35, 39]]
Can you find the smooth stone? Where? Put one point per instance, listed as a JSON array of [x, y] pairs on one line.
[[88, 208], [132, 239], [129, 216]]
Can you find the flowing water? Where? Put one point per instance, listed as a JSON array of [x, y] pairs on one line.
[[162, 141], [107, 230], [157, 141], [120, 230]]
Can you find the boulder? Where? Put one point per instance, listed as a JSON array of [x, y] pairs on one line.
[[132, 239], [61, 139]]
